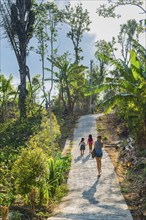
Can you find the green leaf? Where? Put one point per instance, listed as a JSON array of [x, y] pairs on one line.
[[97, 89], [117, 100], [135, 65]]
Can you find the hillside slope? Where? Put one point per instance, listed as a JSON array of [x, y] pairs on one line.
[[130, 164]]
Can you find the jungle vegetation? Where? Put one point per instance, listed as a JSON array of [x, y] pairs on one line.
[[33, 130]]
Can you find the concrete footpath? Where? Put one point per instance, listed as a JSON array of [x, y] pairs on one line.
[[91, 197]]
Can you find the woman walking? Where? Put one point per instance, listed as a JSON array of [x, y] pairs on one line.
[[90, 142], [98, 145]]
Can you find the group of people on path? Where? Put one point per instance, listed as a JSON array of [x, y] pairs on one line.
[[98, 145]]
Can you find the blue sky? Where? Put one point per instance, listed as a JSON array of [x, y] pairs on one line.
[[101, 28]]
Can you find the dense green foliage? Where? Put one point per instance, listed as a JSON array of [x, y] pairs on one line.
[[34, 128], [128, 84], [27, 167]]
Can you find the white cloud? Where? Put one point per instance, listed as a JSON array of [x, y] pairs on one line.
[[106, 28], [101, 28]]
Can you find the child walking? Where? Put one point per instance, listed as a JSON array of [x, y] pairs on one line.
[[90, 142], [82, 146]]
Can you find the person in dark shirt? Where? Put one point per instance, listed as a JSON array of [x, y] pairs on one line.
[[98, 145]]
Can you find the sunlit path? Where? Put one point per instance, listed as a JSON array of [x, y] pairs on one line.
[[90, 197]]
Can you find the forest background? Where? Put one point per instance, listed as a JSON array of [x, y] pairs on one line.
[[33, 128]]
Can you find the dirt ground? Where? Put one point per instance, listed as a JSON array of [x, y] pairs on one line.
[[132, 178]]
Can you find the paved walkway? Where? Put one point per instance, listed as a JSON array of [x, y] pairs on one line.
[[90, 197]]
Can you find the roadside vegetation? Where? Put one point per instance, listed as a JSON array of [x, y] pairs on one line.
[[129, 162], [32, 180], [35, 124]]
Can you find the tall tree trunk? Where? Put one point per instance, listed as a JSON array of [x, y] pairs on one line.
[[22, 87], [22, 94], [77, 58], [43, 72], [51, 88], [61, 96], [69, 99]]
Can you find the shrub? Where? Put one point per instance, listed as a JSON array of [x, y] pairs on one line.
[[42, 138], [30, 170]]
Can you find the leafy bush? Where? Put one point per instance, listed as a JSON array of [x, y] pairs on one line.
[[25, 165], [42, 137], [16, 133], [30, 170]]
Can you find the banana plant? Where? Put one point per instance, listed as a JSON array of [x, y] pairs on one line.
[[33, 90], [7, 94], [70, 78], [129, 86], [57, 172]]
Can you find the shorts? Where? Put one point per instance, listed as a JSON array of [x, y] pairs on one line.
[[98, 152], [82, 147]]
